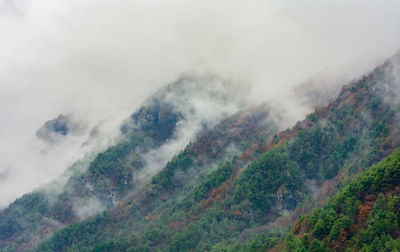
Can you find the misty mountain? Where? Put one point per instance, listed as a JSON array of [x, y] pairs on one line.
[[265, 186], [148, 139], [188, 125], [197, 169], [59, 127]]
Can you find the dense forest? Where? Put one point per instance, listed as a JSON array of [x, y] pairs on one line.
[[363, 216], [330, 182]]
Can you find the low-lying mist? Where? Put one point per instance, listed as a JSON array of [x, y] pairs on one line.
[[99, 60]]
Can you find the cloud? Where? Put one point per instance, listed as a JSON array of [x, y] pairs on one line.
[[100, 59], [202, 101], [87, 207]]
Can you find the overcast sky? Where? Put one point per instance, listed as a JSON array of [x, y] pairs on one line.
[[99, 59]]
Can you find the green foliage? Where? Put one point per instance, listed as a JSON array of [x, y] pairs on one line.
[[76, 235], [166, 178], [187, 240], [294, 244], [380, 222], [29, 206], [378, 228], [273, 182], [259, 242], [8, 228], [312, 117], [262, 179], [188, 208], [215, 179], [317, 246], [110, 170], [343, 222]]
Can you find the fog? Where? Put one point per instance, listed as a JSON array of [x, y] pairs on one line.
[[98, 60]]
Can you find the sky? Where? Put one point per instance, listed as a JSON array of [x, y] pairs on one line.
[[98, 60]]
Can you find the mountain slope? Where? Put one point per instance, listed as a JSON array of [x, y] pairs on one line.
[[267, 185], [162, 126], [364, 215], [191, 166]]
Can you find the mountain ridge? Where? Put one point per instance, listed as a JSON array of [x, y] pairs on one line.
[[242, 175]]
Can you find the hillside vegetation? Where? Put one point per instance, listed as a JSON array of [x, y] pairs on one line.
[[363, 216], [241, 184]]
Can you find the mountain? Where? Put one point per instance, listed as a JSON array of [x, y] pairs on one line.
[[59, 127], [234, 183], [149, 138]]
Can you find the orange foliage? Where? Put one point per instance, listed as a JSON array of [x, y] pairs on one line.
[[369, 200], [342, 235], [304, 225], [364, 212], [213, 192], [237, 213], [174, 224], [353, 229], [47, 230], [387, 144], [152, 218], [296, 227]]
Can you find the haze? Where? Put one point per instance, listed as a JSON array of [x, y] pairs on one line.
[[98, 60]]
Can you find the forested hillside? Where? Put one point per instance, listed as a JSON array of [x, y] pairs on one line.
[[239, 185], [363, 216], [199, 125], [100, 181], [265, 186]]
